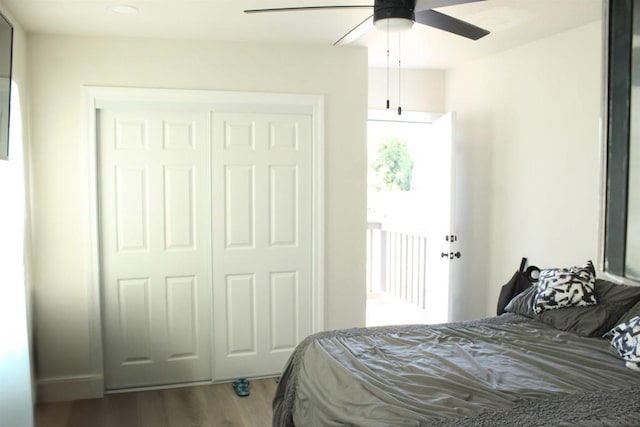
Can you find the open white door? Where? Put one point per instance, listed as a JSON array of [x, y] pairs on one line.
[[441, 246]]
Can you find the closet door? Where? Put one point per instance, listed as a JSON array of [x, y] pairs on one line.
[[155, 231], [261, 240]]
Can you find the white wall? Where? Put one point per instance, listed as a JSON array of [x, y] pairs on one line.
[[528, 144], [60, 68], [16, 402], [419, 90]]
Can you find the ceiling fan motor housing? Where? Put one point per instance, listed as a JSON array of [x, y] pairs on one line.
[[384, 9]]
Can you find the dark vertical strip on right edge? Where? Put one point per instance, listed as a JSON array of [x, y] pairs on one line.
[[618, 127]]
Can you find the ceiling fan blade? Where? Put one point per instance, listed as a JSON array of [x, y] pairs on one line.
[[448, 23], [290, 9], [434, 4], [356, 31]]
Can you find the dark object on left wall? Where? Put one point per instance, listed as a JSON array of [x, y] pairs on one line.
[[6, 59], [521, 280]]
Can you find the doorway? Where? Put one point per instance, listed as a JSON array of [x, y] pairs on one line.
[[409, 205]]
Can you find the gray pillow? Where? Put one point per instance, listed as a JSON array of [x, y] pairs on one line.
[[523, 303], [614, 300], [630, 314]]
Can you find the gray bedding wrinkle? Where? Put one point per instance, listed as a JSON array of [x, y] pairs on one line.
[[423, 375]]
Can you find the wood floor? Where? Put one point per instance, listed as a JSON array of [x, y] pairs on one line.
[[201, 406]]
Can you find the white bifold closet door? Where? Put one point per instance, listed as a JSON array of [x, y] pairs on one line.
[[261, 240], [155, 198], [205, 225]]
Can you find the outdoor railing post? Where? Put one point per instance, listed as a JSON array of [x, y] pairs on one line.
[[370, 261], [383, 260], [397, 262]]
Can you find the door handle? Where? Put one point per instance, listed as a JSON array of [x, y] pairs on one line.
[[450, 255]]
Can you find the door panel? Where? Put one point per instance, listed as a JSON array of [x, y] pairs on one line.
[[131, 208], [239, 206], [261, 240], [283, 202], [241, 316], [179, 184], [284, 296], [155, 203], [182, 321], [135, 321], [441, 246]]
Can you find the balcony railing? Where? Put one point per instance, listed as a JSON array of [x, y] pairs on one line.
[[397, 262]]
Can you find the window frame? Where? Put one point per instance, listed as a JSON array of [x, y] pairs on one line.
[[617, 75]]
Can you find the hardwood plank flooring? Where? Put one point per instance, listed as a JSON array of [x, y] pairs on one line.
[[200, 406]]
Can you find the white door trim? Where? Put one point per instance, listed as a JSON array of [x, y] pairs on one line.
[[106, 97]]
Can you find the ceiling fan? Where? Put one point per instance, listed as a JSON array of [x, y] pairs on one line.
[[398, 15]]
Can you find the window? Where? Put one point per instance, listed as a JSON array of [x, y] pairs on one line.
[[622, 210]]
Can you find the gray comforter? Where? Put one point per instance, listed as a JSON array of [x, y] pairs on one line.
[[507, 370]]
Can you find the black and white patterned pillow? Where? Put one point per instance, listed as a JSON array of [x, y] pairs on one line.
[[625, 338], [565, 287]]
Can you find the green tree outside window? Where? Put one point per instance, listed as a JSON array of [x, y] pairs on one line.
[[393, 166]]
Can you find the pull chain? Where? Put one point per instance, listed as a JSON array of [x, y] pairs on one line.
[[399, 81], [387, 64]]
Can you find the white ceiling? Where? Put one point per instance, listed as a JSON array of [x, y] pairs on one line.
[[511, 22]]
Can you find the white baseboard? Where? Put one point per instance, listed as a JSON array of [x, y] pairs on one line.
[[54, 389]]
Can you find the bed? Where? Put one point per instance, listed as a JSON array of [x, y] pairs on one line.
[[521, 368]]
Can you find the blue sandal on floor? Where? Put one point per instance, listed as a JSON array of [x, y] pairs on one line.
[[241, 387]]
